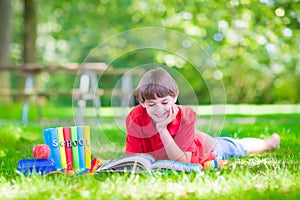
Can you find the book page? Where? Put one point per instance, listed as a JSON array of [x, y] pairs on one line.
[[129, 162], [175, 165]]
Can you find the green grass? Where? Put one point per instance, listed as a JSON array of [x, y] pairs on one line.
[[271, 175]]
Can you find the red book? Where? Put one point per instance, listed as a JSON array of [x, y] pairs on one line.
[[68, 148]]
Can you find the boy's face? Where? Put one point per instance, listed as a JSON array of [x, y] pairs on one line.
[[159, 108]]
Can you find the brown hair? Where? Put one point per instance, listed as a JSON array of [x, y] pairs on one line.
[[156, 83]]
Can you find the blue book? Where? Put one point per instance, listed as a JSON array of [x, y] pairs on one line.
[[81, 151], [51, 139], [33, 166]]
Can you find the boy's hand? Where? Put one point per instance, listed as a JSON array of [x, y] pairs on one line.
[[172, 115]]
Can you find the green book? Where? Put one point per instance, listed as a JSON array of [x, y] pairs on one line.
[[75, 147]]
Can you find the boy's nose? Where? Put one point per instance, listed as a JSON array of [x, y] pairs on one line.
[[159, 107]]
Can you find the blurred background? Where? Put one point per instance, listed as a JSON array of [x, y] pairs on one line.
[[254, 44]]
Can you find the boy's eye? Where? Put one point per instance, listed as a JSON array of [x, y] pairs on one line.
[[151, 104], [165, 101]]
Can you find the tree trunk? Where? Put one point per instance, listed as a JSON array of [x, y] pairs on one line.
[[30, 24], [30, 52], [5, 39]]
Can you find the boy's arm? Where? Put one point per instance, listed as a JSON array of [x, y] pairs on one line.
[[133, 145], [172, 149]]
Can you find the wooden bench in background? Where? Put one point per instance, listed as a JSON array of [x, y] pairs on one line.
[[87, 89]]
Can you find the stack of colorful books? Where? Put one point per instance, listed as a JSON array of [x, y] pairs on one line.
[[69, 147]]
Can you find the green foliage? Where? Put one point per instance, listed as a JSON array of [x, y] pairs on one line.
[[255, 44]]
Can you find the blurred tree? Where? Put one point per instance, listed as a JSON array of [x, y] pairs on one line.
[[5, 39], [255, 44], [30, 32]]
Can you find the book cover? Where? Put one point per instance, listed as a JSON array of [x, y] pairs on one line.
[[81, 152], [68, 147], [33, 166], [146, 163], [75, 147], [50, 136], [62, 150], [87, 146]]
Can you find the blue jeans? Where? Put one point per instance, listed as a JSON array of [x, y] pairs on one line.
[[228, 147]]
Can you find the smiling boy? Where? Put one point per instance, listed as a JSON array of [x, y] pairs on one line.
[[167, 131]]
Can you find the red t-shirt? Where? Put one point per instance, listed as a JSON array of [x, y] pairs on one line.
[[142, 136]]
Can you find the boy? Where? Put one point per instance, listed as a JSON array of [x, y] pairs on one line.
[[167, 131]]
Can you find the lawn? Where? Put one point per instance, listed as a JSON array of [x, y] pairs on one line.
[[271, 175]]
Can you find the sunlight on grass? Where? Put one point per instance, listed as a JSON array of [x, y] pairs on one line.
[[244, 109], [66, 112], [231, 183]]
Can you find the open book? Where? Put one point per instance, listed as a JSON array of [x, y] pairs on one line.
[[143, 162]]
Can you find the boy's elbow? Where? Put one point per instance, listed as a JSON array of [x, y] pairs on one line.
[[186, 157]]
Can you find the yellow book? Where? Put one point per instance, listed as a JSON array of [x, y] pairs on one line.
[[87, 146], [62, 147]]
